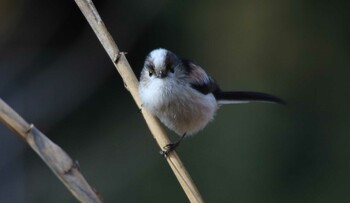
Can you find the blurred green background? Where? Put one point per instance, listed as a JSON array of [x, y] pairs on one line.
[[54, 72]]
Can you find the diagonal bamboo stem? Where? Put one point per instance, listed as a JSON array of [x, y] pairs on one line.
[[58, 160], [131, 83]]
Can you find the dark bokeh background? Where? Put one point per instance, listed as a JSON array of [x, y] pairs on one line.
[[54, 72]]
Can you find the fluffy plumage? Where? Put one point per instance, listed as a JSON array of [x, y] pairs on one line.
[[182, 95]]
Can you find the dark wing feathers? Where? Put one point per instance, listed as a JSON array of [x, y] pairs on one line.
[[199, 80], [204, 88], [204, 84]]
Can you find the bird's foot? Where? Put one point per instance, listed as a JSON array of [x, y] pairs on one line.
[[171, 147]]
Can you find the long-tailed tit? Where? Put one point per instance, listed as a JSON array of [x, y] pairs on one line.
[[183, 96]]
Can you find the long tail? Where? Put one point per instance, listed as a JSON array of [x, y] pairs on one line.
[[237, 97]]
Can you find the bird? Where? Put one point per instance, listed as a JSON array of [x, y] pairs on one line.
[[183, 96]]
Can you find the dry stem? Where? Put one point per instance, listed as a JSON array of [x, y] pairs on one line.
[[59, 162], [131, 83]]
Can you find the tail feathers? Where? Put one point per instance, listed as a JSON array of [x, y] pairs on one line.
[[237, 97]]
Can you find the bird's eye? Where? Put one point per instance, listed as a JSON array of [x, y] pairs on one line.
[[150, 69], [171, 70], [150, 72]]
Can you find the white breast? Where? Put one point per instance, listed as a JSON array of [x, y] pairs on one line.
[[181, 108]]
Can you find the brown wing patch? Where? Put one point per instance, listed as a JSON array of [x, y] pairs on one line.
[[199, 79]]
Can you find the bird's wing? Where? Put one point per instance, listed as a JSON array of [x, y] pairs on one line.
[[199, 79], [205, 84]]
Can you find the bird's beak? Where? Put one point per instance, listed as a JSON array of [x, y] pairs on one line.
[[161, 74]]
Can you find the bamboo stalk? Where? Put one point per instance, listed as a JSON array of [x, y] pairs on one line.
[[58, 160], [131, 83]]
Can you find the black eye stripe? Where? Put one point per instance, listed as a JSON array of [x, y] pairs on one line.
[[167, 65], [169, 62], [150, 68]]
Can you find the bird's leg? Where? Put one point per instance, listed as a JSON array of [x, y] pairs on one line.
[[170, 147]]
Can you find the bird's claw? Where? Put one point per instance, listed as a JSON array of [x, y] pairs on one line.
[[168, 148], [171, 147]]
